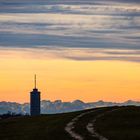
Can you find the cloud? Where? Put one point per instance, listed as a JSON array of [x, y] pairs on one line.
[[72, 24], [76, 54], [37, 40]]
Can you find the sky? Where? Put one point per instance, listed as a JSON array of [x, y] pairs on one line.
[[79, 49]]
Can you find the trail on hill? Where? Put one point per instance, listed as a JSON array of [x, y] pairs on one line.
[[90, 131], [71, 125], [90, 127]]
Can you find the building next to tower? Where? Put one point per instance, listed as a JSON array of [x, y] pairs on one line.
[[35, 101]]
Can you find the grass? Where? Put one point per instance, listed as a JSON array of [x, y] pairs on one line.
[[122, 124], [83, 121], [48, 127]]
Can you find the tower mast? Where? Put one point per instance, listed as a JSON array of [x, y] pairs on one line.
[[35, 80]]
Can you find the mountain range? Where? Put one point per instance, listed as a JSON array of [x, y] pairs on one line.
[[49, 107]]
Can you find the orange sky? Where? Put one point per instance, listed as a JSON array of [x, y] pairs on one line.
[[79, 50], [68, 79]]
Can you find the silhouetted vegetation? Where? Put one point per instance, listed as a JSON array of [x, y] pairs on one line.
[[11, 115]]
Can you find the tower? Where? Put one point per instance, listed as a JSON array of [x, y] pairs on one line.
[[35, 101]]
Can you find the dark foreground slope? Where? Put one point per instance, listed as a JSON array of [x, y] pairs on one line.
[[45, 127], [123, 123]]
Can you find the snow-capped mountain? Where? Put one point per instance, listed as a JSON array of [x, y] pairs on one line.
[[49, 107]]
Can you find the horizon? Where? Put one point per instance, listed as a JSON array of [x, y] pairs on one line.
[[86, 50], [74, 101]]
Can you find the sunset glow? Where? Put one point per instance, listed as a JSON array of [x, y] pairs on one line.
[[68, 79], [87, 51]]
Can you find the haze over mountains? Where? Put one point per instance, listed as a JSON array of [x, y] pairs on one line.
[[48, 107]]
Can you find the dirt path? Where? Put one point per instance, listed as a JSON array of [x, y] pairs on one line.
[[90, 127], [71, 125]]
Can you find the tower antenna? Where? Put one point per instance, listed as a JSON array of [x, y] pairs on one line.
[[35, 81]]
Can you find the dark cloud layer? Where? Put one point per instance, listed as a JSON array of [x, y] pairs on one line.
[[35, 40], [70, 24]]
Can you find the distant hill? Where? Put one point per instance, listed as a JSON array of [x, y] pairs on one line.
[[48, 107]]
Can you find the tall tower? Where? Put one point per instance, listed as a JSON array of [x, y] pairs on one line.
[[35, 101]]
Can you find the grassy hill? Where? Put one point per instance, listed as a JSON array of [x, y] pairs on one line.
[[114, 123]]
